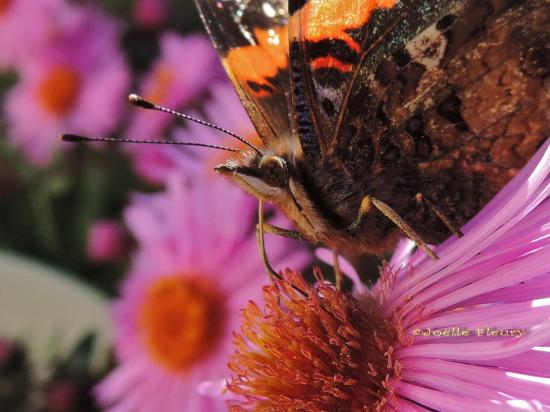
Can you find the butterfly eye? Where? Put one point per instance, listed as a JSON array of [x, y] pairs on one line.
[[273, 171]]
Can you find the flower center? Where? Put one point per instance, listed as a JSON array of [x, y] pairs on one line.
[[327, 351], [4, 4], [59, 89], [181, 320], [163, 78]]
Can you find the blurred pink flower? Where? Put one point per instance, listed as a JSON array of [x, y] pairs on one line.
[[185, 69], [393, 346], [76, 83], [25, 25], [224, 109], [107, 241], [150, 13], [196, 266]]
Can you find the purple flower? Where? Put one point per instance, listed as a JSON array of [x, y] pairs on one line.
[[196, 266], [107, 241], [468, 332], [75, 83], [25, 25]]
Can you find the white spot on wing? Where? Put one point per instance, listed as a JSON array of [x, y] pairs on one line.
[[428, 48], [269, 10], [334, 95]]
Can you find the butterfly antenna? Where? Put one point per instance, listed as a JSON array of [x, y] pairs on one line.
[[77, 138], [145, 104]]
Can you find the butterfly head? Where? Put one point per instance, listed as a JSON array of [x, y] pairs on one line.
[[263, 175], [267, 174], [276, 179]]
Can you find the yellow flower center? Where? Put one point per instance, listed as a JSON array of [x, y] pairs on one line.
[[4, 5], [59, 90], [181, 321], [163, 78]]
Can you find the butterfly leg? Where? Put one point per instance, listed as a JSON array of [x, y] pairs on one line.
[[337, 272], [437, 210], [261, 242], [369, 202], [276, 230], [293, 234], [261, 246]]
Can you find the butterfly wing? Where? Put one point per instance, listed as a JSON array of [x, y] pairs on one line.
[[334, 43], [252, 40], [383, 78]]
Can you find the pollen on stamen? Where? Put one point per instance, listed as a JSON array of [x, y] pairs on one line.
[[327, 351]]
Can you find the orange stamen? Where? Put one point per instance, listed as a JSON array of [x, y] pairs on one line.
[[163, 78], [181, 321], [4, 4], [59, 90], [325, 352]]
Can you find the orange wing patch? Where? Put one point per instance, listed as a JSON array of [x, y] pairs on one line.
[[331, 62], [254, 65], [323, 19], [275, 42]]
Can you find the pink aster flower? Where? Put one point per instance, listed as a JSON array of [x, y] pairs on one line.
[[468, 332], [223, 109], [183, 72], [184, 69], [196, 266], [25, 25], [75, 83], [107, 241]]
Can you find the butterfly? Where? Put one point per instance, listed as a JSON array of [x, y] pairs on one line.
[[384, 117], [380, 118]]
